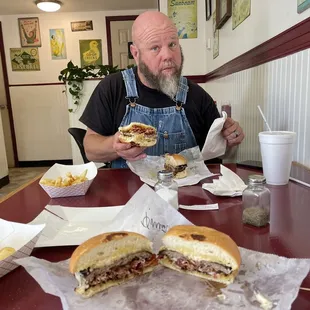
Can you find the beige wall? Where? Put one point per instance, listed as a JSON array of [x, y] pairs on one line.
[[40, 113], [194, 49], [267, 19]]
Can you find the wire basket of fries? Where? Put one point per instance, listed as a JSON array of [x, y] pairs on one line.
[[68, 180]]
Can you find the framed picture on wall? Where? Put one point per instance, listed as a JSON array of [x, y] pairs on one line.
[[25, 59], [90, 52], [302, 5], [241, 9], [29, 31], [223, 12], [208, 9]]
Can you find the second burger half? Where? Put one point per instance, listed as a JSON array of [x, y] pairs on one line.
[[201, 251]]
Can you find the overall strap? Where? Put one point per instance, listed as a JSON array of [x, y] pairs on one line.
[[130, 84], [181, 95]]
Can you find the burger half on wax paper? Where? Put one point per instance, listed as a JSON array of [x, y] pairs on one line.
[[138, 134], [200, 251], [177, 164], [111, 259]]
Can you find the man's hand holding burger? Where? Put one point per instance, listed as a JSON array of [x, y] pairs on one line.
[[131, 140], [127, 151]]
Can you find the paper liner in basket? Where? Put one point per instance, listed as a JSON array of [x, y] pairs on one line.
[[21, 237], [59, 170]]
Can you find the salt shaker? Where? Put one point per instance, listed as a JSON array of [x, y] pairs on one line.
[[256, 202], [167, 188]]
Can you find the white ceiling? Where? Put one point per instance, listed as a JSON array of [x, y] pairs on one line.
[[12, 7]]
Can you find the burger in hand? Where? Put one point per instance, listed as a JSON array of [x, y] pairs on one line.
[[177, 164], [138, 134]]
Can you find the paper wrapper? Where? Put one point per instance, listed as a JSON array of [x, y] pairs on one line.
[[228, 184], [215, 144], [148, 167], [21, 237], [276, 278], [72, 226], [80, 189]]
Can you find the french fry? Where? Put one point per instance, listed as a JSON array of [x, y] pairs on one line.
[[69, 180]]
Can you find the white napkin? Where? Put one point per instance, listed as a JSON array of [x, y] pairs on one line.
[[215, 144], [229, 184]]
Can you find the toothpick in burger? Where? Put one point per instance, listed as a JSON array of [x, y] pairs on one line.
[[111, 259], [202, 252], [138, 134]]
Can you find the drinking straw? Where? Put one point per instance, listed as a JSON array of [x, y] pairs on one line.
[[264, 118]]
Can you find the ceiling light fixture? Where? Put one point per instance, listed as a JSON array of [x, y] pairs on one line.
[[48, 5]]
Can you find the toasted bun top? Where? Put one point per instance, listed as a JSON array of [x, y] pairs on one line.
[[135, 124], [175, 160], [203, 243], [105, 249]]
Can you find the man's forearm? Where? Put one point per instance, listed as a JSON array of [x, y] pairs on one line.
[[99, 148]]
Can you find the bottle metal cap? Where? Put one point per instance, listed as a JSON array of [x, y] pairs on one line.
[[164, 174], [257, 179]]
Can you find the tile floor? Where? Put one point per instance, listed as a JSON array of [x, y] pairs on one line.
[[19, 177]]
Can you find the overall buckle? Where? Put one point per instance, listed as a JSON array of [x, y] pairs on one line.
[[178, 105]]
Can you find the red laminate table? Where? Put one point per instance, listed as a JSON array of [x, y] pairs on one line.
[[288, 233]]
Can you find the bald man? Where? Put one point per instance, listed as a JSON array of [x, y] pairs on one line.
[[153, 93]]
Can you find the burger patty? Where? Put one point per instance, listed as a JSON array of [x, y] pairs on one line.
[[132, 264], [138, 130], [191, 265], [176, 169]]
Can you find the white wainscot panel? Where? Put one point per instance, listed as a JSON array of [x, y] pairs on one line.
[[41, 121]]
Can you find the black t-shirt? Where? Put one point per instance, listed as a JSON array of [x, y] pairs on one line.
[[107, 105]]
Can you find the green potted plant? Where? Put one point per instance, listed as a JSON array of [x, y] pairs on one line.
[[74, 76]]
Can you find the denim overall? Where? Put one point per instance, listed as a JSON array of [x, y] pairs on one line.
[[173, 129]]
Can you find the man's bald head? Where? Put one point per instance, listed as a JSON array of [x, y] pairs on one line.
[[149, 22]]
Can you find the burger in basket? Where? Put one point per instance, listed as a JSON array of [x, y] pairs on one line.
[[138, 134]]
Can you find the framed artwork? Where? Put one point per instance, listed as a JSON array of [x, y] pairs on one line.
[[58, 44], [223, 12], [184, 15], [302, 5], [241, 9], [25, 59], [208, 9], [84, 25], [29, 31], [90, 52], [216, 38]]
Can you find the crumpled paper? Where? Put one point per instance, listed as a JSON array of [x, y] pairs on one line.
[[228, 184], [276, 278], [215, 144], [148, 167]]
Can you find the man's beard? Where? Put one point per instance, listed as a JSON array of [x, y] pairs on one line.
[[166, 84]]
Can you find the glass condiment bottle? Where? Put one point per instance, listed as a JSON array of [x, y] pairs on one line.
[[256, 202], [167, 188]]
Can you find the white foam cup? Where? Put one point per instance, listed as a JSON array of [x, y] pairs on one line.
[[277, 153]]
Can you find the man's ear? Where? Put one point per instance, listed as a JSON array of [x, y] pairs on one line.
[[134, 52]]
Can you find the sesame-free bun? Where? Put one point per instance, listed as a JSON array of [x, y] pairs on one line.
[[198, 244], [105, 249], [138, 134], [175, 160]]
